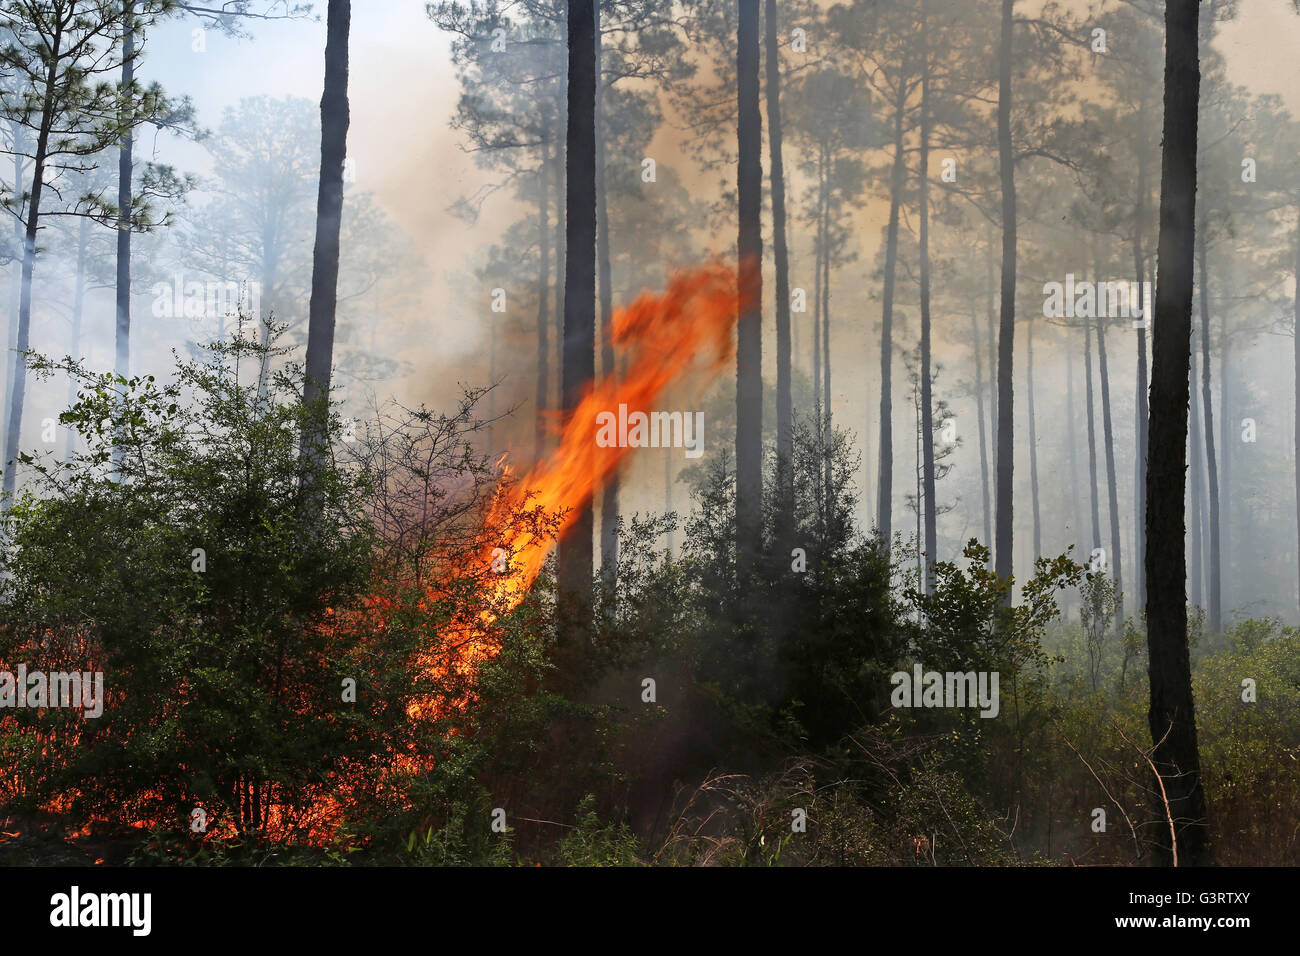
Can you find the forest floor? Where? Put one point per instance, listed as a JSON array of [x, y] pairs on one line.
[[42, 840]]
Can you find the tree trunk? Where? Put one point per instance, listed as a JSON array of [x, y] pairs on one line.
[[1172, 716], [1140, 397], [749, 333], [270, 277], [819, 250], [781, 257], [1071, 438], [1195, 493], [15, 292], [1033, 439], [1140, 467], [556, 398], [668, 498], [885, 479], [927, 386], [125, 175], [991, 311], [983, 427], [825, 424], [78, 310], [1003, 556], [543, 400], [1214, 594], [1112, 484], [1228, 440], [608, 368], [321, 312], [575, 564], [23, 343], [1092, 439], [1296, 357]]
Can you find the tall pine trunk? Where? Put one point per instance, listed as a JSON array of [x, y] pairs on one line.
[[885, 479], [609, 494], [819, 251], [1296, 357], [576, 559], [74, 340], [1140, 396], [1214, 593], [18, 392], [826, 336], [1003, 558], [1195, 485], [1180, 799], [1071, 438], [781, 263], [322, 310], [1228, 439], [1112, 483], [556, 397], [125, 175], [15, 291], [749, 334], [1033, 439], [983, 427], [927, 397], [543, 399], [1093, 487]]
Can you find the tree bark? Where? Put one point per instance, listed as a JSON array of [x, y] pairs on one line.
[[1033, 438], [749, 333], [1195, 493], [23, 343], [1214, 593], [1003, 555], [543, 399], [74, 341], [322, 310], [885, 479], [781, 262], [15, 294], [826, 335], [819, 250], [1140, 397], [575, 565], [1071, 438], [927, 396], [1296, 357], [1092, 439], [1112, 483], [983, 427], [1172, 716], [609, 494], [1228, 440], [125, 175]]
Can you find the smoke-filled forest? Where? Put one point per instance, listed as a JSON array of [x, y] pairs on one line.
[[649, 433]]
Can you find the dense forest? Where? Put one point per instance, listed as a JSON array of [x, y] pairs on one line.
[[650, 432]]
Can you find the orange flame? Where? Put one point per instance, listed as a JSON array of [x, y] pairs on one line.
[[665, 336]]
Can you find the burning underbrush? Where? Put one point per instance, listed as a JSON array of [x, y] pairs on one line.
[[283, 667]]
